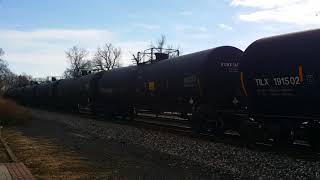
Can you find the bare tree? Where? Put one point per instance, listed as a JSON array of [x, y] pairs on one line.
[[162, 46], [159, 47], [3, 65], [136, 59], [161, 42], [4, 70], [6, 76], [107, 57], [78, 62], [9, 79], [1, 52], [21, 80]]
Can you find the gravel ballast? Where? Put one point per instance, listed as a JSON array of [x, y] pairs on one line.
[[237, 162]]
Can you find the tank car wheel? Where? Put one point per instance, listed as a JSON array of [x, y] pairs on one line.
[[75, 108], [109, 115], [219, 128], [206, 120], [314, 135], [284, 139], [184, 115], [196, 123], [132, 113], [248, 133], [314, 142], [282, 134]]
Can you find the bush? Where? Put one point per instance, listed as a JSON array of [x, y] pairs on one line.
[[12, 114]]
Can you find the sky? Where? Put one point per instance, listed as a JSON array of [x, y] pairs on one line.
[[36, 33]]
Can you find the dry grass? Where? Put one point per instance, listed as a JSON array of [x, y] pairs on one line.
[[4, 158], [47, 160], [12, 114]]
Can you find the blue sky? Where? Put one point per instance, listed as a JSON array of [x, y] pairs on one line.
[[36, 33]]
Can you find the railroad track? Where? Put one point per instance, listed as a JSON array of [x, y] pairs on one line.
[[169, 126], [161, 122], [180, 126]]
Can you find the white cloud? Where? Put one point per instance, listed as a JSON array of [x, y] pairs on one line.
[[181, 27], [186, 13], [299, 12], [56, 34], [146, 26], [48, 42], [189, 28], [203, 29], [198, 32], [225, 27], [264, 4], [201, 36], [41, 52]]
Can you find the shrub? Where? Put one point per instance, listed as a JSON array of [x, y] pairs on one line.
[[12, 113]]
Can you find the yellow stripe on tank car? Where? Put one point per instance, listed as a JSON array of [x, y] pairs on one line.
[[242, 85], [152, 86], [300, 73]]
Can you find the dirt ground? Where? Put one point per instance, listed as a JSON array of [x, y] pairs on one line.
[[51, 150]]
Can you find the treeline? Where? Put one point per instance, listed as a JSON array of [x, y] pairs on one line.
[[8, 79], [106, 57]]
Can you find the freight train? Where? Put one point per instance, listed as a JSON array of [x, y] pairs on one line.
[[268, 92], [280, 80]]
